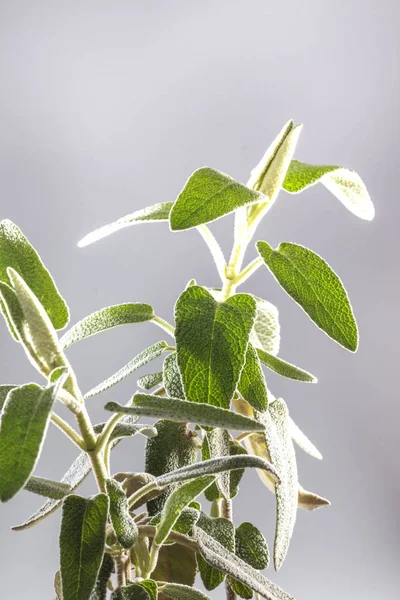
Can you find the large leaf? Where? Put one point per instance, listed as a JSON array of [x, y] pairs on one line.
[[212, 339], [23, 427], [176, 591], [284, 369], [345, 184], [177, 564], [207, 196], [252, 385], [185, 412], [123, 524], [47, 487], [106, 318], [151, 353], [82, 540], [151, 214], [176, 502], [223, 531], [100, 589], [17, 252], [220, 558], [310, 281], [266, 330]]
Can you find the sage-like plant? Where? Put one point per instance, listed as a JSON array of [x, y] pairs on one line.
[[145, 535]]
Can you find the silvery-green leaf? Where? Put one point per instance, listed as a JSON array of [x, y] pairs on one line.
[[149, 381], [4, 390], [241, 590], [284, 368], [151, 214], [219, 445], [123, 524], [211, 339], [218, 557], [172, 379], [345, 184], [188, 517], [267, 177], [310, 501], [133, 591], [132, 482], [176, 502], [177, 591], [266, 329], [107, 318], [223, 531], [16, 252], [252, 385], [251, 546], [207, 196], [185, 412], [47, 487], [23, 426], [311, 282], [235, 475], [151, 353], [302, 440]]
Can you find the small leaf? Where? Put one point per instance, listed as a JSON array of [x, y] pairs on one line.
[[188, 517], [185, 412], [151, 353], [252, 385], [4, 390], [251, 546], [266, 330], [284, 368], [134, 591], [132, 482], [57, 585], [151, 214], [47, 487], [100, 589], [240, 589], [220, 558], [16, 252], [172, 379], [310, 281], [310, 501], [107, 318], [151, 587], [123, 524], [177, 564], [149, 381], [219, 446], [223, 531], [207, 196], [82, 540], [345, 184], [23, 427], [302, 440], [176, 502], [211, 339], [175, 591]]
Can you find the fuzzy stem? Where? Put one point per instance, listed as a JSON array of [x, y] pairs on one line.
[[68, 430], [164, 325], [214, 248]]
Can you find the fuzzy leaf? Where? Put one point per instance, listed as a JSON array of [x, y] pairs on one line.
[[149, 381], [252, 385], [176, 502], [23, 427], [207, 196], [223, 531], [345, 184], [123, 524], [176, 564], [175, 591], [16, 252], [100, 589], [266, 330], [142, 590], [211, 339], [47, 487], [311, 282], [151, 353], [310, 501], [284, 369], [131, 482], [218, 557], [185, 412], [4, 390], [302, 440], [218, 441], [107, 318], [82, 540], [172, 379], [151, 214], [188, 517], [57, 585], [251, 546], [151, 587], [240, 589]]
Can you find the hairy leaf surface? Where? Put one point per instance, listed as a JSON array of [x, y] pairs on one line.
[[172, 379], [100, 589], [124, 526], [266, 329], [252, 385], [302, 440], [284, 369], [47, 487], [251, 546], [4, 390], [223, 531], [176, 591], [149, 381]]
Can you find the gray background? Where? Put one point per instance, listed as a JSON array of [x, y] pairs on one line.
[[106, 107]]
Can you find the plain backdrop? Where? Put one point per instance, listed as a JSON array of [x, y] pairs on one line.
[[106, 107]]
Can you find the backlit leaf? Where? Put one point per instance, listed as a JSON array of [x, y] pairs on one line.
[[47, 487], [4, 390], [266, 329], [149, 381], [302, 440], [284, 368], [252, 385], [172, 379]]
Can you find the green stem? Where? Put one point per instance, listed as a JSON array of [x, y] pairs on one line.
[[214, 248], [149, 487], [68, 430], [164, 325], [174, 536]]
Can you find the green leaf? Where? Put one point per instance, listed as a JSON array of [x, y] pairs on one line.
[[176, 502], [267, 177], [345, 184], [107, 318], [82, 540], [223, 531], [132, 482], [134, 591], [188, 517], [207, 196], [100, 589], [252, 385], [176, 564], [151, 353], [185, 412], [47, 487], [251, 546], [23, 427], [236, 449], [266, 330], [302, 440], [4, 390], [151, 214], [218, 442], [176, 591], [16, 252], [174, 447], [211, 339], [172, 379], [218, 557], [284, 369], [151, 587], [123, 524], [149, 381], [310, 281], [240, 589]]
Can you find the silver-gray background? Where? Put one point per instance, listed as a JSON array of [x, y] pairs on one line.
[[106, 107]]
